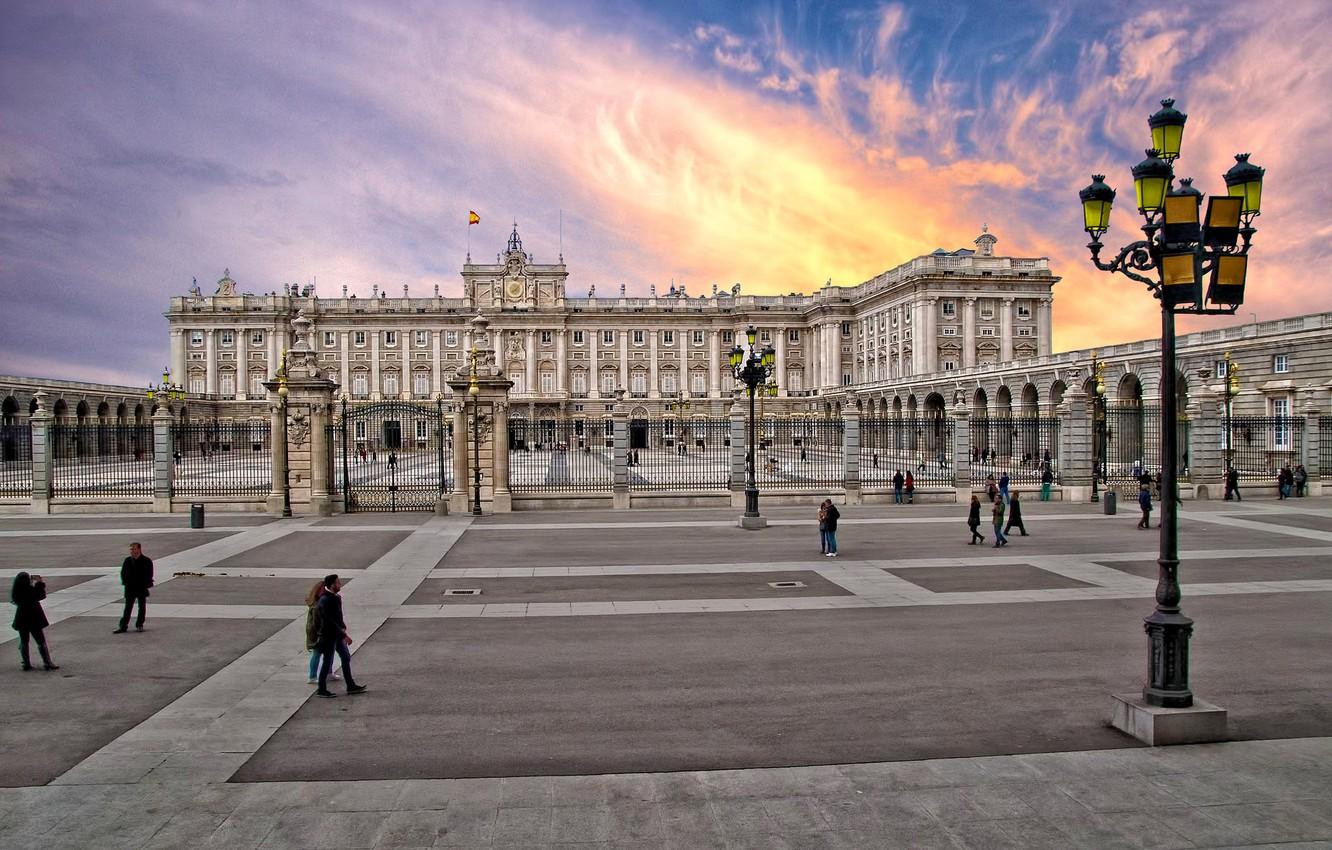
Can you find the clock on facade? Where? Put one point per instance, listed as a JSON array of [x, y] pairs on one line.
[[514, 289]]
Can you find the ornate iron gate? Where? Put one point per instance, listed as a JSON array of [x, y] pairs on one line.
[[394, 455]]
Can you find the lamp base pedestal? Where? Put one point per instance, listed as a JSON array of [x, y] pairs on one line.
[[752, 523], [1200, 723]]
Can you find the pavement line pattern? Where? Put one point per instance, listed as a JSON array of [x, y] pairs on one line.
[[96, 593], [209, 732], [1267, 527], [127, 533]]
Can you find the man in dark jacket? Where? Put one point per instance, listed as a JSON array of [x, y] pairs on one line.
[[331, 636], [136, 574]]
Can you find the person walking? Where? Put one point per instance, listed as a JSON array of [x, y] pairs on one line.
[[26, 595], [312, 632], [823, 526], [1047, 479], [910, 488], [991, 489], [1285, 482], [973, 521], [898, 481], [997, 518], [1003, 486], [136, 574], [1145, 502], [830, 517], [1301, 480], [1015, 515], [331, 636], [1232, 485]]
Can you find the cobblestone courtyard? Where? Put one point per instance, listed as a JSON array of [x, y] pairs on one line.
[[663, 679]]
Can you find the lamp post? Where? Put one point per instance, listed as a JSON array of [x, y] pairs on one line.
[[1178, 250], [752, 368], [1098, 426], [474, 390], [286, 458], [1232, 390], [164, 390]]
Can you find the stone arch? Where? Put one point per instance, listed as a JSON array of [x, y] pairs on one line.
[[81, 411], [980, 403], [1030, 400], [897, 406], [103, 411], [61, 409], [32, 406], [9, 410], [1057, 390], [184, 412], [138, 414], [1129, 389], [1003, 401]]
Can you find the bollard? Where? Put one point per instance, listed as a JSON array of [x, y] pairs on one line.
[[196, 515], [1108, 501]]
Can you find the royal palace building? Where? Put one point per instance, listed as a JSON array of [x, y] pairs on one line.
[[566, 354]]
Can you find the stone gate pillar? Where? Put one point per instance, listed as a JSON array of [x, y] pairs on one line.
[[620, 470], [503, 496], [738, 450], [164, 461], [851, 452], [1075, 443], [43, 461], [460, 498], [1206, 459], [299, 400], [962, 453], [481, 418]]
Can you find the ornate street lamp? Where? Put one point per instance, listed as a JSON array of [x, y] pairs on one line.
[[474, 390], [1099, 427], [1232, 390], [286, 458], [1178, 251], [164, 391], [752, 368]]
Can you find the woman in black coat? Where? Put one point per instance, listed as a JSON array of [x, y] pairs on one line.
[[29, 618]]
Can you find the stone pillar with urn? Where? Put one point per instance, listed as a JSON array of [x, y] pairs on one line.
[[300, 400], [480, 438]]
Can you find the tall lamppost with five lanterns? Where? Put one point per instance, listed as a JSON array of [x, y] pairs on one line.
[[1181, 249], [752, 368]]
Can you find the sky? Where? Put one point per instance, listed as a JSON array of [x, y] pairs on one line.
[[777, 145]]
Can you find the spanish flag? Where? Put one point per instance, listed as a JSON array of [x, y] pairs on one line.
[[473, 218]]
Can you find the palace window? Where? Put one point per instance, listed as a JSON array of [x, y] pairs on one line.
[[1024, 331], [579, 382], [608, 383], [949, 365], [1023, 311], [1280, 364], [948, 331], [421, 384], [638, 383], [793, 335], [546, 337], [846, 329], [987, 331], [578, 337], [228, 338], [256, 386], [330, 339], [422, 432], [638, 337], [668, 383], [517, 378], [608, 337], [950, 308], [227, 385], [257, 338], [421, 338], [668, 337], [1219, 370], [391, 383], [450, 338], [390, 338], [547, 382], [1281, 431], [196, 338], [728, 337], [359, 339], [359, 429], [765, 335], [700, 384], [795, 380], [360, 386], [698, 337], [197, 384]]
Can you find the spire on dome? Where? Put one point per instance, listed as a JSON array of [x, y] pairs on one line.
[[515, 243]]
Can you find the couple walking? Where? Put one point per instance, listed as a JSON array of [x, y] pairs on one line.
[[326, 634], [828, 515], [997, 510]]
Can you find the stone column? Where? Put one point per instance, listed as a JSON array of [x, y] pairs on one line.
[[460, 498], [1006, 330], [242, 387], [968, 334], [178, 357], [1076, 450], [684, 387], [962, 452], [738, 449], [654, 388], [500, 415], [1314, 462], [594, 371], [345, 366], [781, 362], [164, 462], [374, 364], [851, 453], [210, 361], [620, 480], [931, 335], [530, 362], [917, 337], [280, 455], [714, 363], [43, 459], [624, 358], [436, 364], [1206, 458], [321, 473], [1044, 326], [561, 360]]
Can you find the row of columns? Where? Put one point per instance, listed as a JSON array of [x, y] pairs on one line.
[[275, 341]]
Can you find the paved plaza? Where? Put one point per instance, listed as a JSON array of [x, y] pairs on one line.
[[662, 679]]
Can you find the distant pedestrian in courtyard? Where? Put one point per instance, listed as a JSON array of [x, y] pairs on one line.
[[1301, 479], [803, 454], [312, 631], [828, 516], [1015, 515], [331, 636], [973, 521], [991, 489], [27, 594], [136, 574], [1145, 503], [898, 481], [1285, 482], [1047, 479], [875, 458], [1003, 486], [997, 518], [1232, 485], [910, 488]]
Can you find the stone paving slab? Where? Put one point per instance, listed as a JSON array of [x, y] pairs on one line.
[[72, 522], [99, 550], [1256, 568], [395, 519], [1295, 520], [570, 589], [997, 577], [62, 582], [235, 590], [106, 685], [321, 552], [493, 697]]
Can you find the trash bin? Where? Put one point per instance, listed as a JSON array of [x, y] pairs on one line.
[[1107, 499], [196, 515]]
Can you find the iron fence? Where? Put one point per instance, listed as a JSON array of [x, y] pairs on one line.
[[691, 453], [102, 459], [1131, 438], [561, 455], [921, 446], [800, 452], [221, 458], [16, 459], [392, 456], [1257, 447], [1021, 446], [1325, 448]]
